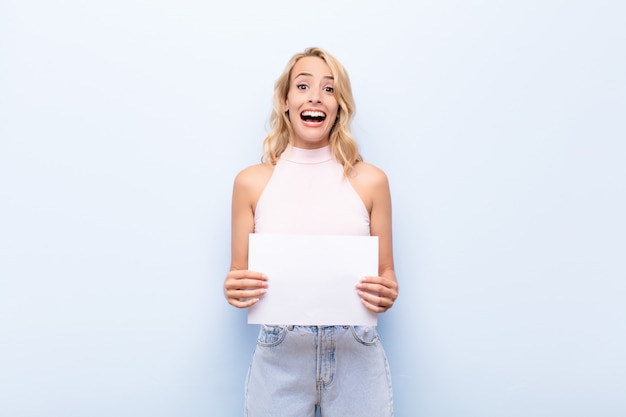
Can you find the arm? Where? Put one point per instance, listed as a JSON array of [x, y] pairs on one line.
[[378, 294], [243, 287]]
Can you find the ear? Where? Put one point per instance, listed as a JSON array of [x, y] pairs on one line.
[[286, 105]]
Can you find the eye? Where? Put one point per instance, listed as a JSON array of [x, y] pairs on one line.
[[301, 86], [329, 89]]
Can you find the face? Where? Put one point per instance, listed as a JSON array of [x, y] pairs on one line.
[[311, 103]]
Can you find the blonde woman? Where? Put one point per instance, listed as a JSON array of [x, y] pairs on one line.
[[296, 370]]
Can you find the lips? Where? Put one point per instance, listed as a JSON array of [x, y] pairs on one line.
[[313, 116]]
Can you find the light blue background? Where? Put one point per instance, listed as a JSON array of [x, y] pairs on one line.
[[501, 126]]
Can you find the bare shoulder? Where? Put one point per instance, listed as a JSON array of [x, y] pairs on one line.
[[370, 182], [250, 183], [253, 176], [368, 175]]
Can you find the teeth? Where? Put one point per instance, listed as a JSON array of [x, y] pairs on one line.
[[311, 113]]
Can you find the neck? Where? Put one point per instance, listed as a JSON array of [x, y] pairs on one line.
[[307, 156]]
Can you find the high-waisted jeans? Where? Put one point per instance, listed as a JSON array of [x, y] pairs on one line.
[[342, 370]]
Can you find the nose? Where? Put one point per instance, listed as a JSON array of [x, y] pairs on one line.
[[314, 96]]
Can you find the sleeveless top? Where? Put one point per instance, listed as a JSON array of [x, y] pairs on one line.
[[308, 193]]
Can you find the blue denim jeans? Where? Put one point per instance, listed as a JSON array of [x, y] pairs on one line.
[[342, 370]]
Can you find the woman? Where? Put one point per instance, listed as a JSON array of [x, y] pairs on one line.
[[341, 370]]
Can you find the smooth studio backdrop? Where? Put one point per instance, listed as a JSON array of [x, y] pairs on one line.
[[501, 126]]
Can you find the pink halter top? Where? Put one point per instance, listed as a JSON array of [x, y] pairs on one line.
[[309, 194]]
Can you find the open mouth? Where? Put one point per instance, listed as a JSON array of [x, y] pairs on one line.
[[313, 116]]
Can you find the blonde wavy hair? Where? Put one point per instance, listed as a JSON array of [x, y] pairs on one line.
[[343, 146]]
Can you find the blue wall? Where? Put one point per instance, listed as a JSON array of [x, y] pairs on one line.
[[500, 126]]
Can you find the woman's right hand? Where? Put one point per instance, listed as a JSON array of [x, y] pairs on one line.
[[242, 288]]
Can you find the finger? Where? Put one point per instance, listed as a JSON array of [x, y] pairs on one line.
[[373, 307], [385, 282], [245, 303], [376, 300], [246, 274], [245, 294], [244, 284], [373, 288], [382, 286], [372, 279], [379, 290]]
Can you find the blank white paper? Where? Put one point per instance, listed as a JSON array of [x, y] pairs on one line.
[[312, 279]]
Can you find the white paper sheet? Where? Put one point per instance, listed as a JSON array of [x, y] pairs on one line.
[[312, 279]]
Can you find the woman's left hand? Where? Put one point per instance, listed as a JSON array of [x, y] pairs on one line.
[[378, 293]]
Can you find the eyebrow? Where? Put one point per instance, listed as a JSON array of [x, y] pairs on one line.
[[330, 77]]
